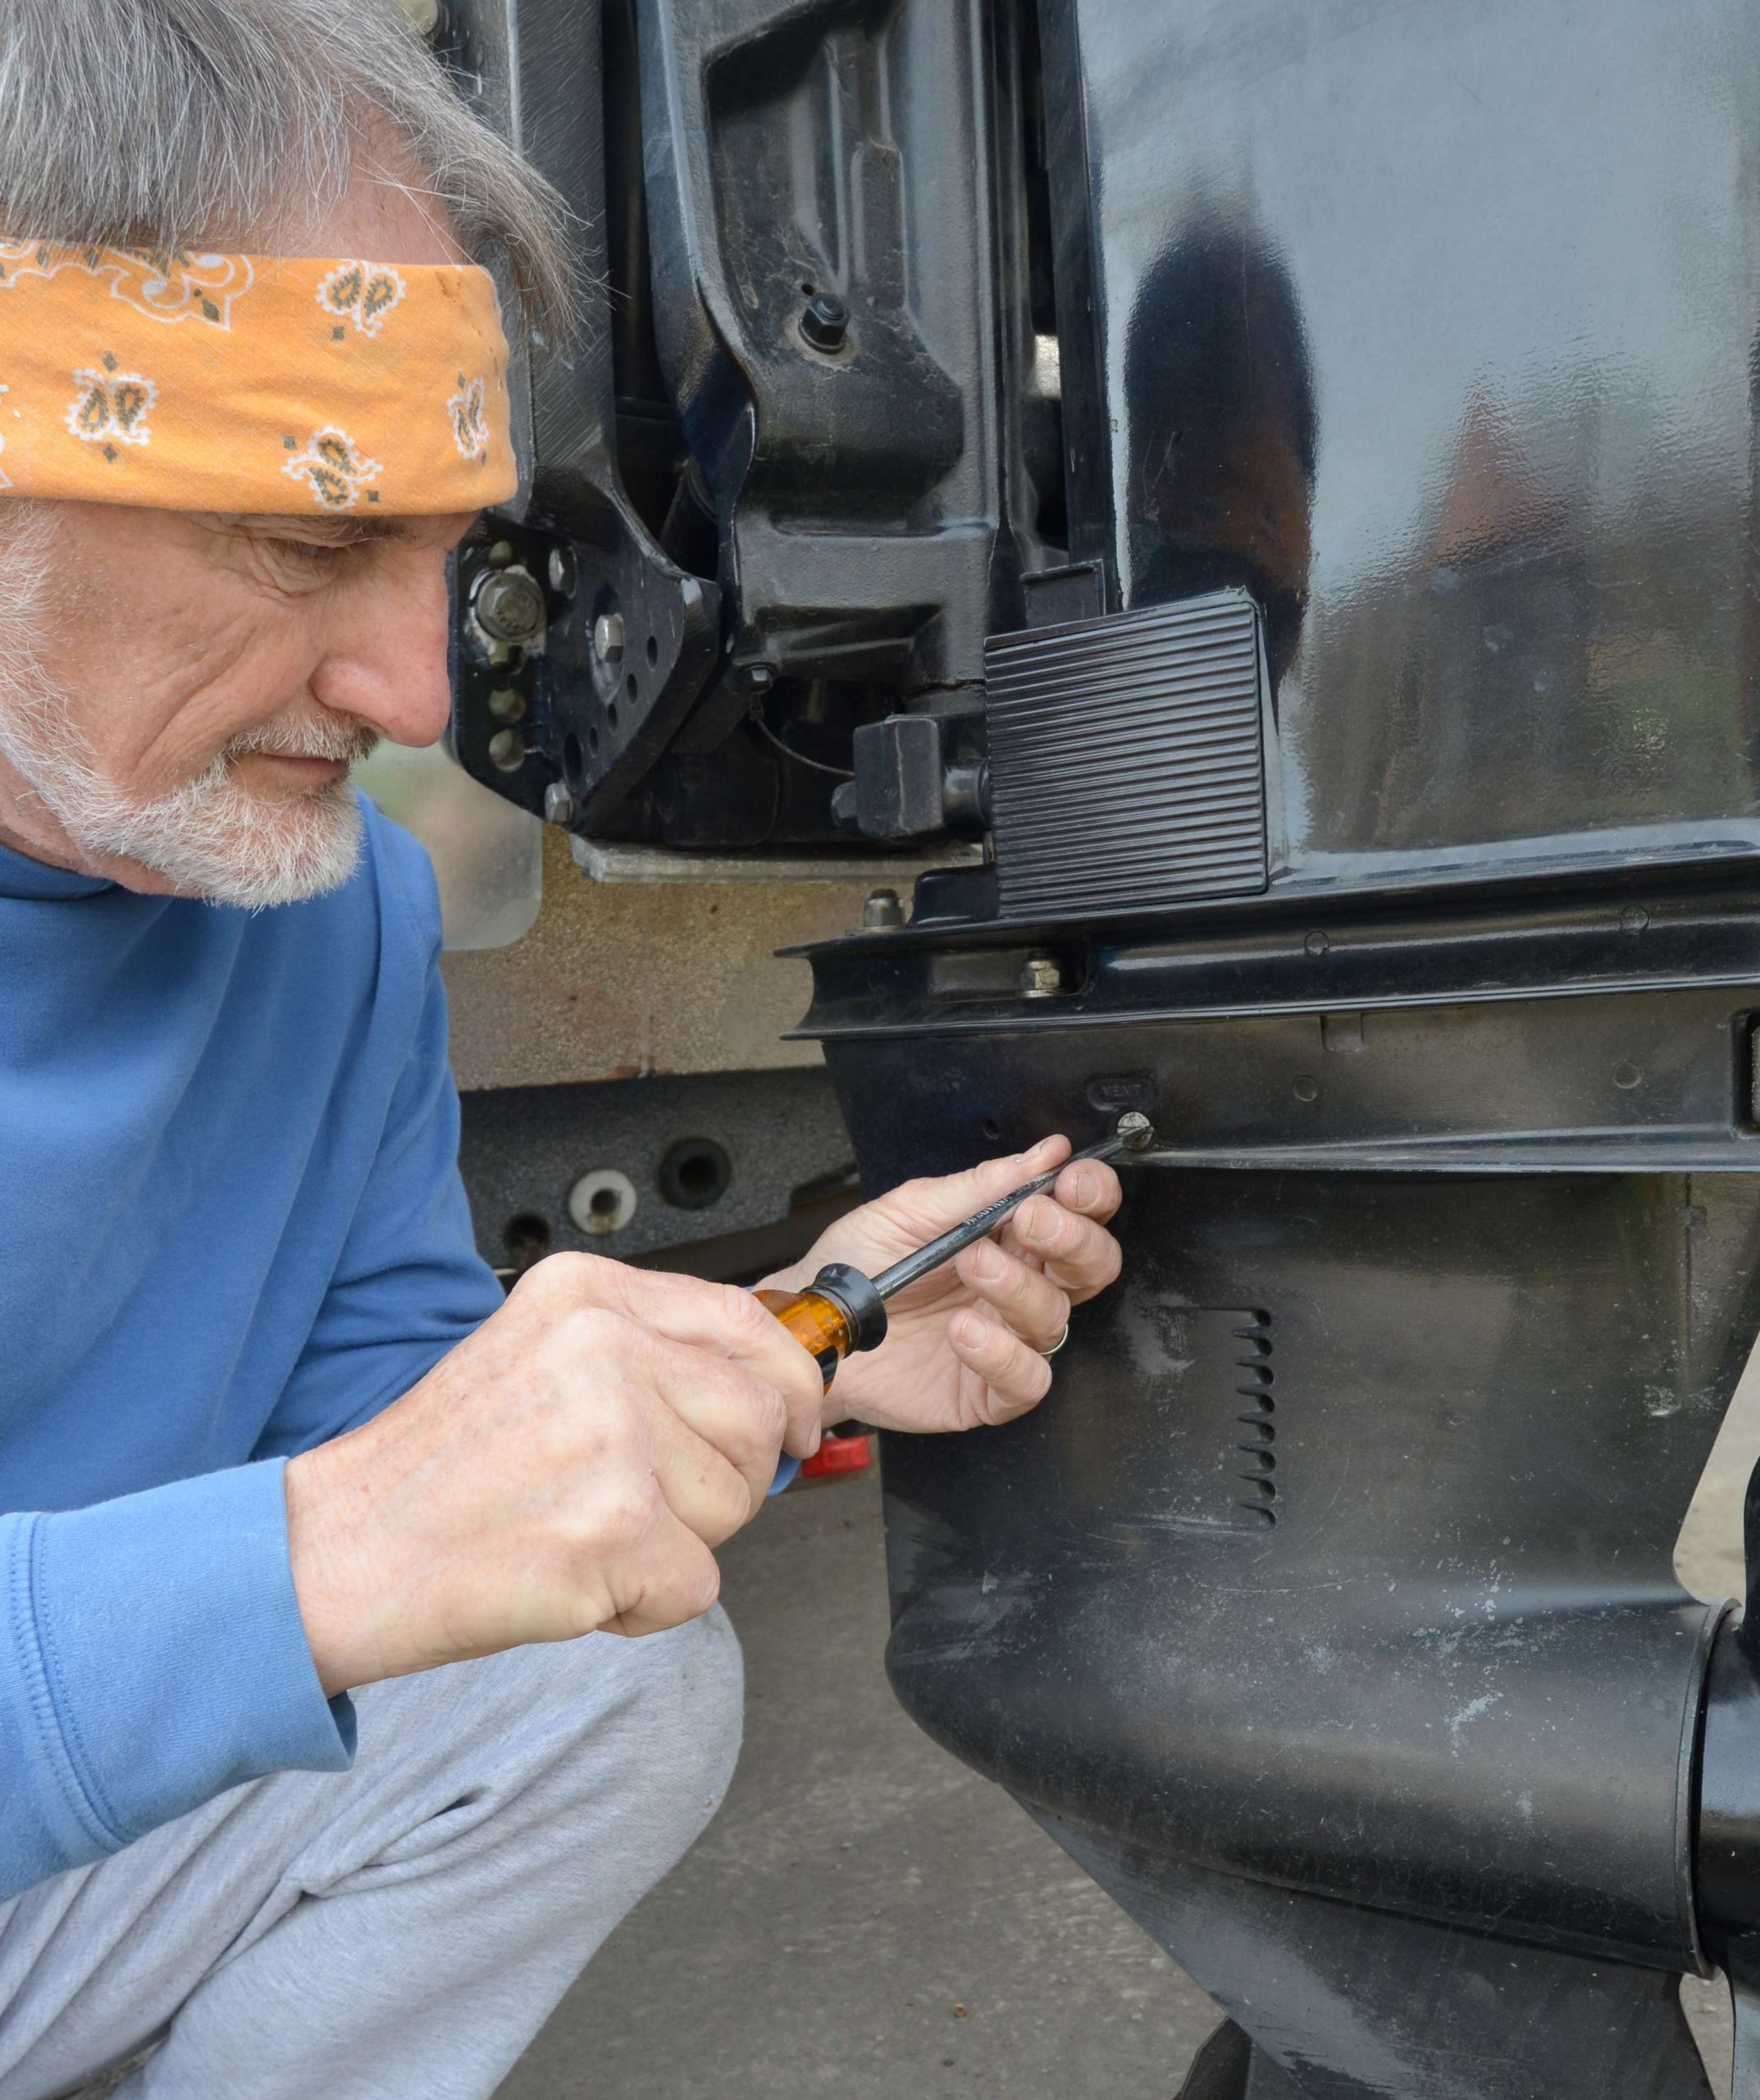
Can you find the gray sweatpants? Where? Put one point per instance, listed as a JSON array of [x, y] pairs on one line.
[[400, 1929]]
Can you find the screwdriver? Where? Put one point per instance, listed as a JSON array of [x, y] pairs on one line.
[[843, 1311]]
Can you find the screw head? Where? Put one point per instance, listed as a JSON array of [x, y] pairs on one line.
[[1316, 944], [883, 908], [559, 804], [608, 638], [1634, 918], [509, 606], [824, 323], [1042, 977]]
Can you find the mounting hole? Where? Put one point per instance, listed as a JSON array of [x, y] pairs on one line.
[[526, 1237], [602, 1201], [694, 1174], [808, 287], [611, 714], [653, 652], [571, 759], [630, 685], [991, 1128], [507, 750], [592, 740]]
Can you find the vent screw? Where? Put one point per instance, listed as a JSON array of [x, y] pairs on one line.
[[883, 908], [1042, 977], [825, 323]]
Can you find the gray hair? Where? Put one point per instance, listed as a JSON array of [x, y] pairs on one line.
[[167, 124]]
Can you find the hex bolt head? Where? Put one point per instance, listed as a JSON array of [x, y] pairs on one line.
[[509, 604], [825, 323], [608, 638], [563, 571], [1042, 977], [883, 908], [559, 804]]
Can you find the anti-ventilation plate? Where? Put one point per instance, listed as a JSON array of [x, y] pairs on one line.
[[1126, 759]]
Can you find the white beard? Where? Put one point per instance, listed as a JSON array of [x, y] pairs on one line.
[[210, 837]]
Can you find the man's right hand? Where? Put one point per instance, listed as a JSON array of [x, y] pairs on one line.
[[568, 1468]]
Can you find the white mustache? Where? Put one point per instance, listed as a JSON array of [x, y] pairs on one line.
[[312, 736]]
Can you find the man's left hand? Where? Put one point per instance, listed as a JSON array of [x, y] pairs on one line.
[[966, 1347]]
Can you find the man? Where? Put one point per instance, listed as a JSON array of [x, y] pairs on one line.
[[309, 1780]]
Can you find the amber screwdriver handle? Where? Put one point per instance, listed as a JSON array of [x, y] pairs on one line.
[[821, 1328], [838, 1312]]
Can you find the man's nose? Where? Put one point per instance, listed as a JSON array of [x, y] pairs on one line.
[[385, 652]]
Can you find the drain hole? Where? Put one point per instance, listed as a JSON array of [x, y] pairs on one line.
[[694, 1174]]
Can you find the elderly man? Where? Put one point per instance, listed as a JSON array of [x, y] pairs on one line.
[[309, 1780]]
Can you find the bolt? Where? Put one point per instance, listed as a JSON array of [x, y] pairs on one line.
[[507, 750], [507, 703], [1042, 977], [824, 323], [608, 638], [559, 804], [883, 908], [509, 606], [562, 571]]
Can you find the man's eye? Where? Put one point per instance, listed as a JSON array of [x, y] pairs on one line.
[[311, 554]]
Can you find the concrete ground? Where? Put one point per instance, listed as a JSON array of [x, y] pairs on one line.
[[866, 1918]]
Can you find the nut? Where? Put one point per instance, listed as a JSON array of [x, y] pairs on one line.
[[883, 908], [1042, 977], [825, 323]]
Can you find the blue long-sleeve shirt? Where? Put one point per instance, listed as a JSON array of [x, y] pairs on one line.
[[231, 1226]]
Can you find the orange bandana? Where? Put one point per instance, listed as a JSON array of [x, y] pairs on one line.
[[251, 382]]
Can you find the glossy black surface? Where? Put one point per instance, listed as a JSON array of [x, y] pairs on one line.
[[1434, 325]]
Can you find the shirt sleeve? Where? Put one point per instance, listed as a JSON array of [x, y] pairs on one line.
[[113, 1720], [410, 1285]]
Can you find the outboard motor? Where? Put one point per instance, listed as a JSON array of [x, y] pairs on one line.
[[1282, 488]]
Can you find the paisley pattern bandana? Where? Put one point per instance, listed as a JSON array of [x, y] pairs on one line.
[[186, 381]]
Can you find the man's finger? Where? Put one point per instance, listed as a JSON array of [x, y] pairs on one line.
[[1029, 1303], [672, 1579], [1076, 1252], [718, 1318], [1018, 1378], [741, 1416]]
